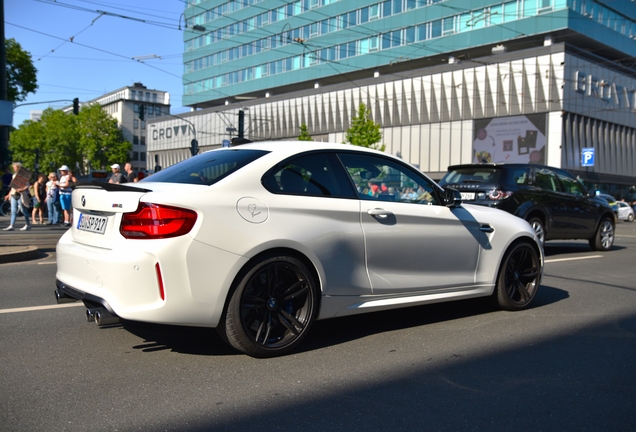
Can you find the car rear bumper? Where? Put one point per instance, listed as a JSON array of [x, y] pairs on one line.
[[128, 281]]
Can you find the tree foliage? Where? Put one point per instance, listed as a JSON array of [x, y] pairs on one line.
[[364, 132], [304, 134], [21, 74], [88, 140]]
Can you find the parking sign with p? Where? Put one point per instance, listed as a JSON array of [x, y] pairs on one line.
[[587, 157]]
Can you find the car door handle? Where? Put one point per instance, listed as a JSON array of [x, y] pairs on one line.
[[487, 228], [379, 213]]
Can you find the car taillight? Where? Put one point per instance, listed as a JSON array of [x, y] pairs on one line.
[[498, 195], [155, 221]]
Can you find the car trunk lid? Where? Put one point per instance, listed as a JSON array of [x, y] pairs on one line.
[[98, 209]]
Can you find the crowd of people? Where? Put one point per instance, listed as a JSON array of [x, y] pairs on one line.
[[50, 196]]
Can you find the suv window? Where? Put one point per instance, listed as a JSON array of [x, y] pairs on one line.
[[571, 185], [546, 180], [472, 175], [518, 176], [312, 174]]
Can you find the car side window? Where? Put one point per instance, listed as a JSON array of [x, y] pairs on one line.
[[571, 185], [311, 174], [546, 180], [382, 179]]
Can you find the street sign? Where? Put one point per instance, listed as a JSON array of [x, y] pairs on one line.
[[587, 157]]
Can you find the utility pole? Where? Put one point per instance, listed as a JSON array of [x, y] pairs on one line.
[[4, 130]]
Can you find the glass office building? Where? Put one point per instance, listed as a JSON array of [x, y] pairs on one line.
[[549, 81]]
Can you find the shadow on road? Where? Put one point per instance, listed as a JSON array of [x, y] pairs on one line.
[[203, 341]]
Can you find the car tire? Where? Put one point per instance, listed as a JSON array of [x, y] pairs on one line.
[[519, 277], [604, 237], [630, 217], [272, 307], [538, 228]]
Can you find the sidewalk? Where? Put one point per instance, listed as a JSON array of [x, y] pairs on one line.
[[15, 253]]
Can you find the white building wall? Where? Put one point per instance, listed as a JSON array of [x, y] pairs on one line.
[[428, 120]]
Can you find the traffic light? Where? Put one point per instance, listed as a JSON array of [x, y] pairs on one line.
[[142, 112], [76, 106], [241, 123], [194, 147]]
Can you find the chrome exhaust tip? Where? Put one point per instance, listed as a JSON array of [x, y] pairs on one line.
[[60, 297], [90, 314], [103, 317]]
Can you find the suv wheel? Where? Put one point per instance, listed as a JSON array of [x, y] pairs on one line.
[[539, 230], [604, 237]]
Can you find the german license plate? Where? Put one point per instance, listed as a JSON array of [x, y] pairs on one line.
[[92, 223], [468, 196]]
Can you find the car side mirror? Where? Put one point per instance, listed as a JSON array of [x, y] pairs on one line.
[[452, 197]]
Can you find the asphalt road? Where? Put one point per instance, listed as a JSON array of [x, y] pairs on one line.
[[568, 363]]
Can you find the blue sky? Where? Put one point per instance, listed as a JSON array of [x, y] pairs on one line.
[[105, 49]]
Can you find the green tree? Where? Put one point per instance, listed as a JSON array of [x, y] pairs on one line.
[[304, 134], [53, 138], [364, 132], [101, 142], [59, 138], [21, 74]]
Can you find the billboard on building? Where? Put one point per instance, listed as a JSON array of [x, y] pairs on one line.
[[516, 139]]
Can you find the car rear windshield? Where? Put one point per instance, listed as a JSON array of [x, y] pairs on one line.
[[207, 168], [472, 176]]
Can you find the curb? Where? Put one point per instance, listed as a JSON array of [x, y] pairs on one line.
[[9, 254]]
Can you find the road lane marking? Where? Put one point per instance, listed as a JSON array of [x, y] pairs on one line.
[[37, 308], [573, 259]]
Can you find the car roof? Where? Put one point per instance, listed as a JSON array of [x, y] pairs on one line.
[[284, 149], [498, 165], [297, 146]]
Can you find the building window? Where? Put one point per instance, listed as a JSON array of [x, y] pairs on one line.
[[142, 156], [135, 124], [135, 108], [135, 139], [143, 140], [154, 98], [135, 156], [143, 125], [133, 94]]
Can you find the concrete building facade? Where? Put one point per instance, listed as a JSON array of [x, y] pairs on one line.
[[123, 104]]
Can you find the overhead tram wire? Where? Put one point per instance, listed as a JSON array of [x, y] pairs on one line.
[[71, 38], [107, 52]]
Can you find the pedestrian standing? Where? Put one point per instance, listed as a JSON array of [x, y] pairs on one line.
[[52, 197], [66, 191], [17, 197], [131, 176], [117, 176], [39, 196]]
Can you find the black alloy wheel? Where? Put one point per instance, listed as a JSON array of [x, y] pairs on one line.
[[519, 277], [272, 307]]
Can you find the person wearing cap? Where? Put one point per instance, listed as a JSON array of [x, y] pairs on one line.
[[66, 191], [117, 176]]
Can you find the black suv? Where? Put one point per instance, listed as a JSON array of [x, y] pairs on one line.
[[554, 202]]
